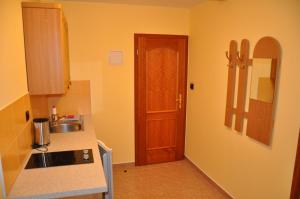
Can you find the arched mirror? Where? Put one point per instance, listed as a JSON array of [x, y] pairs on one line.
[[265, 63], [263, 80]]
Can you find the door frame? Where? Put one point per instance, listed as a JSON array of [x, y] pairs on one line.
[[295, 189], [139, 152]]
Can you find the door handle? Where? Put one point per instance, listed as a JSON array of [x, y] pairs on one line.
[[179, 100]]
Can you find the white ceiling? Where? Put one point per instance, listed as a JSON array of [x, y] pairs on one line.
[[171, 3]]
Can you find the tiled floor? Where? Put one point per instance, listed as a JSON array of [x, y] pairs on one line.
[[171, 180]]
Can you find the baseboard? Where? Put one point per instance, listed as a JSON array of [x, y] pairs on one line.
[[210, 180], [127, 164]]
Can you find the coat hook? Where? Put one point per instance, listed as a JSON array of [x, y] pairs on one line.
[[241, 61], [239, 58], [230, 64], [227, 55]]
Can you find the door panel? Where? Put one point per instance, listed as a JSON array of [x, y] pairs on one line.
[[161, 79], [161, 133], [161, 155], [160, 93]]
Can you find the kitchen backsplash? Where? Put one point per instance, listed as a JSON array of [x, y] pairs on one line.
[[15, 138], [76, 101]]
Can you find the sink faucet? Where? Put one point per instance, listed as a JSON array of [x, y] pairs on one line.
[[54, 115]]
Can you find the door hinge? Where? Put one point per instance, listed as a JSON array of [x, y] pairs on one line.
[[137, 52], [179, 100]]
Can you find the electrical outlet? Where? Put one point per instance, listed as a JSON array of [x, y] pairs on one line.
[[27, 115]]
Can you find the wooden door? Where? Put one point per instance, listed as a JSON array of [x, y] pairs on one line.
[[160, 97]]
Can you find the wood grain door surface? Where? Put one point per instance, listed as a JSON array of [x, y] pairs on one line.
[[160, 97]]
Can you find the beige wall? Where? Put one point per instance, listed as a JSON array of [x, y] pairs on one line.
[[94, 30], [245, 168], [13, 83]]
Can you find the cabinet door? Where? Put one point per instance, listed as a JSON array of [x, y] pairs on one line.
[[43, 48]]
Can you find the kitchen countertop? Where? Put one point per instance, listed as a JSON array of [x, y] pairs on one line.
[[64, 181]]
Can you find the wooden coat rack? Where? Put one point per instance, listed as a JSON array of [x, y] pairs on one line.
[[260, 114]]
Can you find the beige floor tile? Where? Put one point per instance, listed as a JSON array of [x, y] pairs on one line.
[[172, 180]]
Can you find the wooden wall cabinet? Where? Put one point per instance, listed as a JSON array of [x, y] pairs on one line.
[[46, 48]]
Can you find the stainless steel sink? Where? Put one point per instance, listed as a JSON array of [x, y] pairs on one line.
[[66, 125]]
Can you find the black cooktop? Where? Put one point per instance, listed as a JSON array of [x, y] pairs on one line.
[[60, 158]]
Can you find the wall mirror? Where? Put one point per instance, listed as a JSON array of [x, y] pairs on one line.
[[265, 63], [263, 79]]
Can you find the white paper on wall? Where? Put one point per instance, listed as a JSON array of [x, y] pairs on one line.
[[116, 57]]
